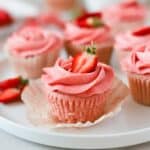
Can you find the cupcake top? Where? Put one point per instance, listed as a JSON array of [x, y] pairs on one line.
[[127, 11], [87, 28], [81, 76], [30, 41], [138, 62], [129, 40]]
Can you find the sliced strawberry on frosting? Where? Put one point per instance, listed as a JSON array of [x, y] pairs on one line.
[[9, 95], [5, 18], [85, 62], [90, 20], [142, 31]]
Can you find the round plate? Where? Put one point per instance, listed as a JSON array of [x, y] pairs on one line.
[[131, 126]]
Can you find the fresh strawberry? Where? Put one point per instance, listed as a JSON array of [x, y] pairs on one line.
[[90, 20], [142, 32], [12, 83], [85, 62], [131, 3], [10, 89], [9, 95], [5, 18]]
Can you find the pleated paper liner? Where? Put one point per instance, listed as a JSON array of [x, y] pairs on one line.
[[140, 88], [38, 107]]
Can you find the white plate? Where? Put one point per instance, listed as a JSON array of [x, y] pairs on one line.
[[131, 126]]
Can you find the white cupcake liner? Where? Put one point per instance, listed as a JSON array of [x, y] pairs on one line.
[[38, 107]]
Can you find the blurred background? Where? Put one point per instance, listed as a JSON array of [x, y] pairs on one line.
[[21, 8]]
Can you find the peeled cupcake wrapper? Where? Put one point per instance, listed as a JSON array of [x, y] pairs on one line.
[[31, 67], [39, 113], [140, 88]]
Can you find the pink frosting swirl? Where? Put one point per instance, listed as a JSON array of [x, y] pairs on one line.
[[126, 12], [30, 41], [59, 78], [82, 36], [127, 41], [138, 62]]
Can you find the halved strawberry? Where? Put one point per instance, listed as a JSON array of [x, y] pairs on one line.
[[12, 83], [90, 20], [5, 18], [85, 62], [142, 32], [9, 95], [131, 3]]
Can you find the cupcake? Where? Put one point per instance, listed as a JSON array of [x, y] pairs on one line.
[[126, 42], [32, 48], [125, 16], [89, 29], [78, 88], [66, 9], [137, 66]]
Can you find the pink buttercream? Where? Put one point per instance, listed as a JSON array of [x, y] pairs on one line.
[[125, 12], [127, 41], [59, 78], [138, 62], [82, 36], [31, 41]]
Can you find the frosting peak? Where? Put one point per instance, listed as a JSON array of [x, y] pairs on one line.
[[82, 36], [138, 62], [60, 79], [126, 11], [127, 41], [30, 41]]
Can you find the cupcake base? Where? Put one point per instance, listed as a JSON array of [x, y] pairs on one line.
[[39, 108], [104, 54], [31, 67], [140, 88], [73, 109]]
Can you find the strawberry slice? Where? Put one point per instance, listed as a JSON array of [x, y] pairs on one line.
[[132, 3], [9, 95], [90, 20], [85, 62], [142, 32], [5, 18], [12, 83]]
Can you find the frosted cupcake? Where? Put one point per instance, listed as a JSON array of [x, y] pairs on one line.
[[77, 88], [86, 29], [126, 42], [125, 16], [31, 48], [137, 66]]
